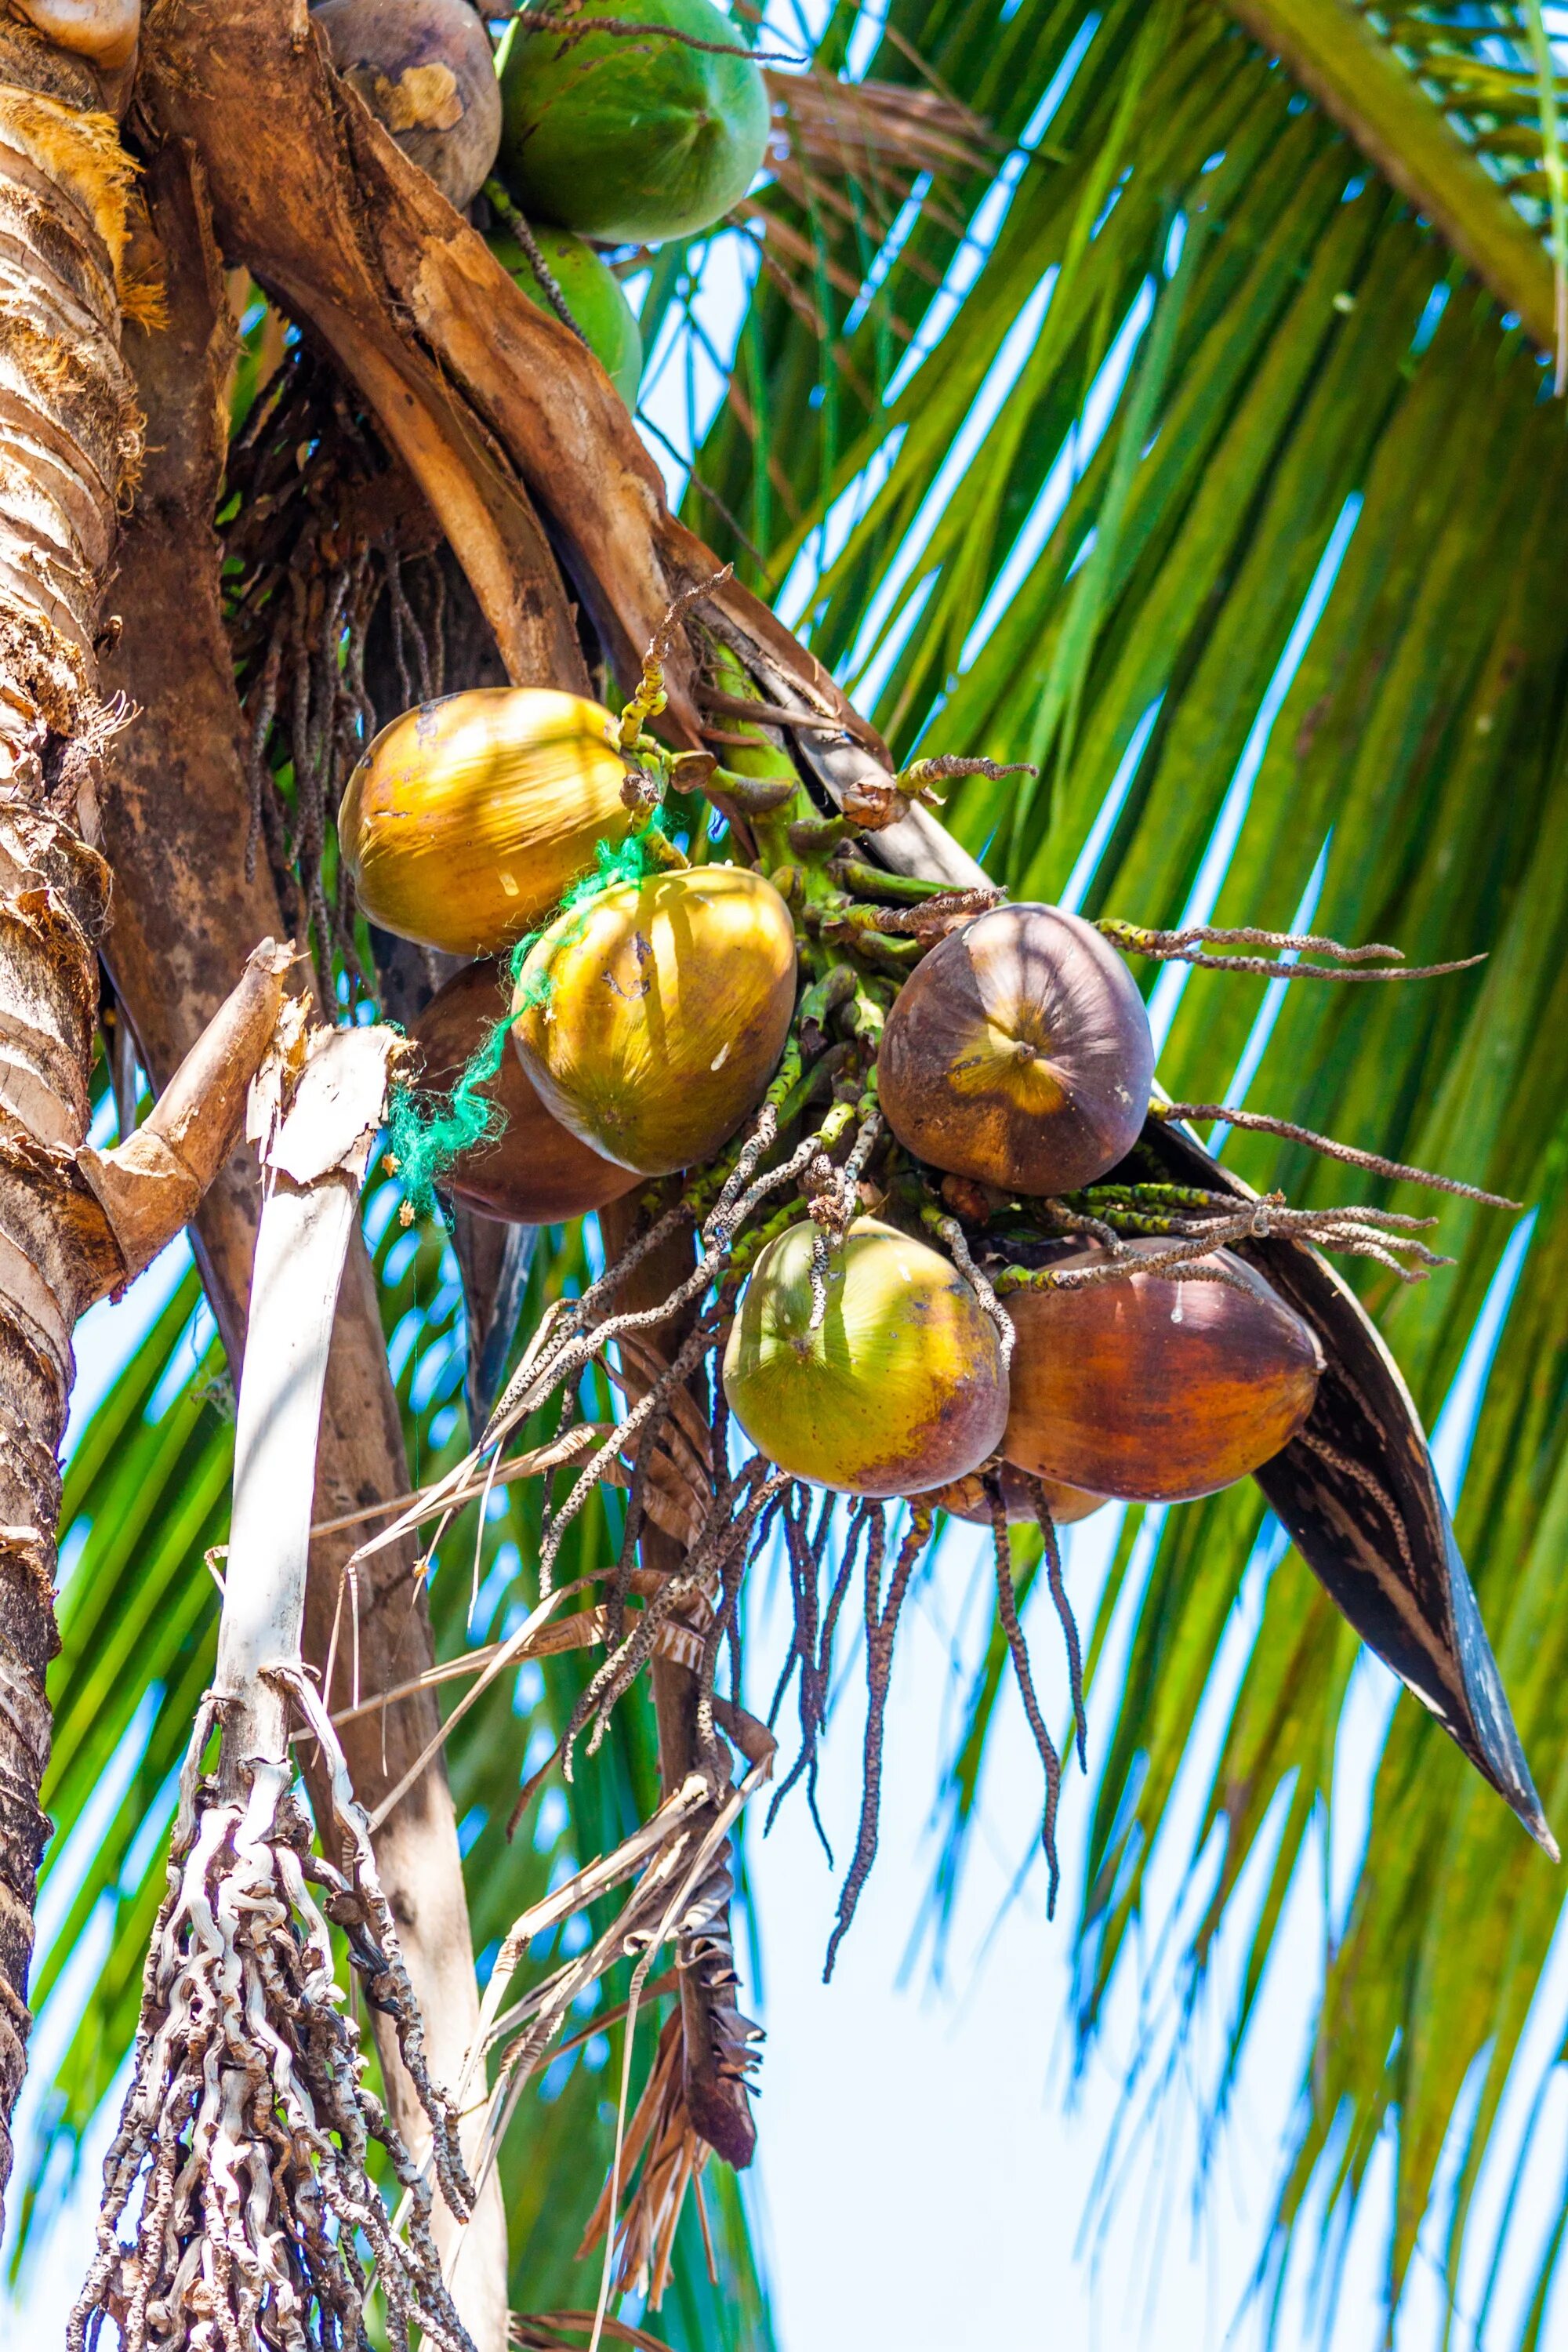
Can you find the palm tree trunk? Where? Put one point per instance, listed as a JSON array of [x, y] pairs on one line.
[[70, 437]]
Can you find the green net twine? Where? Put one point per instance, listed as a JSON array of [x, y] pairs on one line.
[[428, 1129], [631, 861]]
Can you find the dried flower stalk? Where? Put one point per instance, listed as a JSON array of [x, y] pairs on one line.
[[243, 2143]]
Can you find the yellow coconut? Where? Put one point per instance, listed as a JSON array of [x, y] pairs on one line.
[[651, 1016], [467, 818], [901, 1386], [535, 1174]]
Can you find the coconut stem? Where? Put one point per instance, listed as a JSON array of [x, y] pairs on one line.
[[1259, 1123], [1185, 946]]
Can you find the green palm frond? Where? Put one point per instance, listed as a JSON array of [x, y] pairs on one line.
[[1225, 495]]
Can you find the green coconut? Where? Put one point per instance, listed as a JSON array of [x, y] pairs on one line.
[[592, 294], [899, 1387], [631, 137]]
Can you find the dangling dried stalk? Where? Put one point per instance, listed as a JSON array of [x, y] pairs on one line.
[[881, 1625], [1345, 963], [247, 2125], [1259, 1123], [661, 2147], [1018, 1650]]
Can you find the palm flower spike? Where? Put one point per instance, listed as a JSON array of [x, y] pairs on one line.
[[247, 2125]]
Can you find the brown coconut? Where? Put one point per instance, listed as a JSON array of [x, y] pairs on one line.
[[1155, 1391], [1018, 1054], [426, 71]]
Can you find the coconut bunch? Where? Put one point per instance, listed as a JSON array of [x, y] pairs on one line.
[[901, 1134]]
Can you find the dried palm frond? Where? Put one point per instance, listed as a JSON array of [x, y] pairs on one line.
[[876, 131]]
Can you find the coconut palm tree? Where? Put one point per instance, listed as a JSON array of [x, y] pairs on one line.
[[1162, 395]]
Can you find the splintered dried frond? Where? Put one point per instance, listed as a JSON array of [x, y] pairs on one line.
[[682, 1895], [663, 2156], [570, 2331], [854, 127], [246, 2129]]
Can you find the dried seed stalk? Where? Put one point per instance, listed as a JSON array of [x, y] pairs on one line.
[[247, 2125]]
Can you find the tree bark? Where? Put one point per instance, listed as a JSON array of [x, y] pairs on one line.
[[68, 449], [176, 818]]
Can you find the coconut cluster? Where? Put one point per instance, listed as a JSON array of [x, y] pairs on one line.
[[592, 128], [648, 1010], [1017, 1055]]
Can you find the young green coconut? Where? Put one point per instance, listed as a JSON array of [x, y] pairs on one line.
[[534, 1172], [591, 292], [426, 71], [467, 818], [1018, 1054], [635, 135], [651, 1016], [1154, 1389], [894, 1383]]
